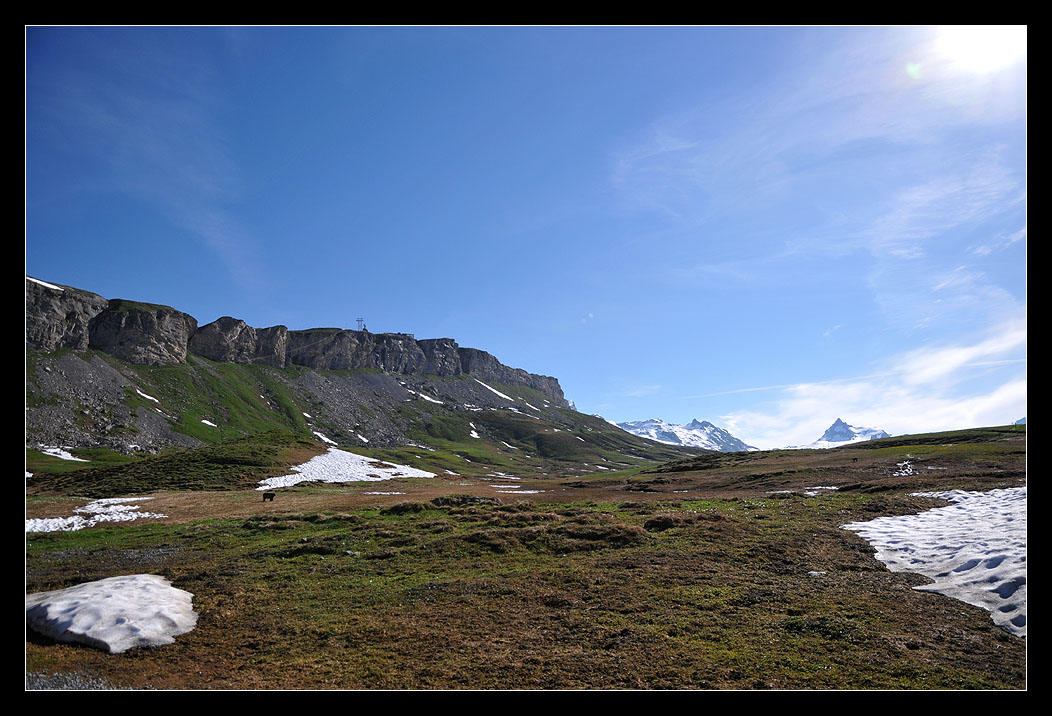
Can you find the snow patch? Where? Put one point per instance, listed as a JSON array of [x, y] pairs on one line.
[[905, 468], [58, 452], [148, 397], [44, 283], [342, 466], [324, 439], [114, 614], [209, 423], [974, 550], [110, 509], [493, 390]]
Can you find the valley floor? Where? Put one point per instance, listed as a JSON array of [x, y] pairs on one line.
[[727, 571]]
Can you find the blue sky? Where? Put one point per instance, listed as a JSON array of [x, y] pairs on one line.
[[767, 228]]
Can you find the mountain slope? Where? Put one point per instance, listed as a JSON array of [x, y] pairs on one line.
[[427, 403]]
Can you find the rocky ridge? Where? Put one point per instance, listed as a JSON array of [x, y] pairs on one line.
[[149, 334]]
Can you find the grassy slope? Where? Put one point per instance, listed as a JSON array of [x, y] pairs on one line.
[[235, 464], [648, 590], [238, 398]]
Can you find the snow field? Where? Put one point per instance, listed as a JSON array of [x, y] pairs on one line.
[[342, 466], [974, 550]]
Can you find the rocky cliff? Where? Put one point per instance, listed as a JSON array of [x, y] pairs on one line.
[[64, 317]]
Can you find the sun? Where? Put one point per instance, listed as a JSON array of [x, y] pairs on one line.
[[982, 48]]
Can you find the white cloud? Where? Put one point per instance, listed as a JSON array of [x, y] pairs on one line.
[[922, 390]]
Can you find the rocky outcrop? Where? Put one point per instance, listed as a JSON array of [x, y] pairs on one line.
[[231, 340], [443, 356], [339, 349], [62, 317], [485, 366], [142, 333], [58, 316]]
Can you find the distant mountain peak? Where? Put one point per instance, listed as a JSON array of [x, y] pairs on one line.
[[841, 432], [696, 433]]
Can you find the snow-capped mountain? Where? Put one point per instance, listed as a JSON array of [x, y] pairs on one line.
[[696, 433], [840, 433]]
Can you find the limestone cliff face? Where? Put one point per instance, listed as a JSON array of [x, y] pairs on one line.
[[62, 317], [231, 340], [142, 333], [485, 366], [339, 349], [58, 316]]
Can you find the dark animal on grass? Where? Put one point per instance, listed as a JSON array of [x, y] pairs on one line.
[[269, 496], [854, 459]]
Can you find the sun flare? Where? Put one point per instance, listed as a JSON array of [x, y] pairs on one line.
[[982, 48]]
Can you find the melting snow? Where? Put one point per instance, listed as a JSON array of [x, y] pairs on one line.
[[308, 415], [430, 399], [342, 466], [493, 390], [362, 437], [323, 438], [114, 614], [905, 468], [43, 283], [111, 509], [60, 453], [208, 423], [975, 550], [148, 397]]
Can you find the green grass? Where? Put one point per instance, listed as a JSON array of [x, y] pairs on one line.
[[123, 305], [39, 463], [227, 394], [537, 595], [235, 464]]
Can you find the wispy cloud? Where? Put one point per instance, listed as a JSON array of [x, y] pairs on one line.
[[871, 155], [925, 389], [640, 391], [998, 243], [144, 118]]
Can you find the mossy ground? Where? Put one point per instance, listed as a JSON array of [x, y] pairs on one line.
[[593, 584]]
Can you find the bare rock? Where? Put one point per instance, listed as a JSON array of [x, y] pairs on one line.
[[58, 316], [142, 333]]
